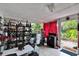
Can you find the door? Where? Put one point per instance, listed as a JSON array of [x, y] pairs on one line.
[[69, 35]]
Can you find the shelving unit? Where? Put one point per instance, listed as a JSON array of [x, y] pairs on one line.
[[19, 36], [23, 34], [10, 32], [1, 25], [1, 35], [27, 32]]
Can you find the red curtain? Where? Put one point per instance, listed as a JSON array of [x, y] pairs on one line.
[[53, 27], [50, 27], [46, 29]]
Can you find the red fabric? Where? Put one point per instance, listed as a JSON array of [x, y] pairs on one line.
[[46, 29], [3, 38], [53, 27], [50, 27]]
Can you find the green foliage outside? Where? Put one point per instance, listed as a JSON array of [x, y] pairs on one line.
[[36, 27], [69, 30]]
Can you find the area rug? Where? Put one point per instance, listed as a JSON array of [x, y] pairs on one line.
[[68, 52]]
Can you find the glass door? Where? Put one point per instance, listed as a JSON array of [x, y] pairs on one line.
[[69, 35]]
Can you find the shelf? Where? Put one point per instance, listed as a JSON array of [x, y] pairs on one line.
[[20, 31]]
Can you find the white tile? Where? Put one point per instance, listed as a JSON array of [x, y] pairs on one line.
[[46, 51]]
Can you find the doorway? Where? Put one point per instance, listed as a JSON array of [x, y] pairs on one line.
[[69, 35]]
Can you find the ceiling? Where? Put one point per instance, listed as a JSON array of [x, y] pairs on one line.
[[37, 12]]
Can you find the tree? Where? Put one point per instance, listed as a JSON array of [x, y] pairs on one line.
[[36, 27], [69, 30]]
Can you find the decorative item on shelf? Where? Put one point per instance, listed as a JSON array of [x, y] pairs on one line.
[[0, 17], [5, 22], [28, 24]]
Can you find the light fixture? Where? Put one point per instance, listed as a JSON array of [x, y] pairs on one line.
[[51, 7]]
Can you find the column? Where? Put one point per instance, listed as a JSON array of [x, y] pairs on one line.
[[59, 31]]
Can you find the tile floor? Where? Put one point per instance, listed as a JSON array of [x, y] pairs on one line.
[[46, 51]]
